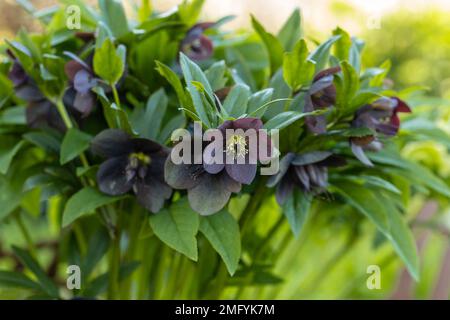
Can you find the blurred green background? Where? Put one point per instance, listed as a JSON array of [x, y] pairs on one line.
[[328, 261]]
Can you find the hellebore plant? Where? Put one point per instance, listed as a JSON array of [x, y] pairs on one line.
[[108, 188]]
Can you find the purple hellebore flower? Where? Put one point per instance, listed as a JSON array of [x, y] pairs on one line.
[[196, 45], [308, 171], [132, 164], [382, 117], [82, 80], [40, 111], [321, 95], [210, 184]]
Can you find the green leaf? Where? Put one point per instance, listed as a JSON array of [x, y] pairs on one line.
[[108, 62], [291, 31], [383, 213], [365, 201], [222, 231], [235, 103], [257, 100], [216, 75], [297, 69], [192, 73], [45, 282], [343, 44], [272, 44], [83, 202], [189, 11], [8, 150], [346, 87], [175, 82], [296, 210], [402, 238], [114, 16], [74, 143], [322, 53], [284, 119], [11, 279], [148, 124], [177, 227], [12, 116]]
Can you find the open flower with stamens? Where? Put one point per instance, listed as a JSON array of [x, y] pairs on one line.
[[229, 161], [307, 171], [382, 117], [132, 164]]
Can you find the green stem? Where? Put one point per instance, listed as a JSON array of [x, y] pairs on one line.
[[26, 235], [81, 240], [114, 268], [116, 95], [64, 115]]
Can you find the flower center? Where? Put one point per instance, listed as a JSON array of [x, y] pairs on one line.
[[139, 158], [236, 146]]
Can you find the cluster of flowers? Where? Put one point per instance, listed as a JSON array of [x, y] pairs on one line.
[[145, 167]]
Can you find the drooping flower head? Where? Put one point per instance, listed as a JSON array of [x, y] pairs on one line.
[[308, 172], [229, 161], [133, 164], [196, 45], [382, 117], [321, 95], [40, 112], [82, 81]]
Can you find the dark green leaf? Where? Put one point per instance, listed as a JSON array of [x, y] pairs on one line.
[[74, 143]]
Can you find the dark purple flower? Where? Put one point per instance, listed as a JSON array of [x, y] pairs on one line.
[[132, 164], [82, 81], [382, 117], [321, 95], [196, 45], [40, 111], [308, 171], [210, 183], [240, 149]]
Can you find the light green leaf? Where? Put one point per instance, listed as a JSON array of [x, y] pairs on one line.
[[346, 87], [216, 75], [84, 202], [177, 227], [74, 143], [8, 150], [222, 231], [113, 15], [9, 279], [272, 44], [321, 54], [108, 62], [189, 11], [175, 82], [291, 31], [297, 69], [343, 44]]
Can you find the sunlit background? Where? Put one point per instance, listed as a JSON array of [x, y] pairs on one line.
[[415, 36]]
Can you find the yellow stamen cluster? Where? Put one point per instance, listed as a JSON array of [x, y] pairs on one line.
[[236, 146], [140, 157]]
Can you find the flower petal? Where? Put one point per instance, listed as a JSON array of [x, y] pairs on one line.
[[285, 162], [359, 153], [112, 177], [210, 195], [111, 143], [84, 103], [84, 81], [181, 176], [284, 190], [243, 173], [152, 193]]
